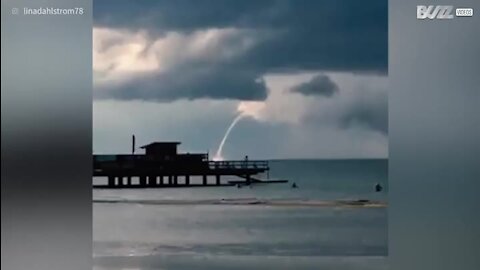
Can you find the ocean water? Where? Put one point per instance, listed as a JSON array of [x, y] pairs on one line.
[[193, 228]]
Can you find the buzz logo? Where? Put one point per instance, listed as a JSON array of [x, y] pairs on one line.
[[434, 12]]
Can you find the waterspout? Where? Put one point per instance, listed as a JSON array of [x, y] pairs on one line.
[[218, 156]]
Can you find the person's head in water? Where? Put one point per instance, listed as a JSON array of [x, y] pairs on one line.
[[378, 187]]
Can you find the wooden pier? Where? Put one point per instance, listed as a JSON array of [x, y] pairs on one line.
[[162, 166]]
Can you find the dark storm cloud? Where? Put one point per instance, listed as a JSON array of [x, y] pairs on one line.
[[320, 85], [190, 83], [345, 35], [181, 15], [370, 112]]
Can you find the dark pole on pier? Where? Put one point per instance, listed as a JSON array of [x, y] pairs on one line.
[[133, 144]]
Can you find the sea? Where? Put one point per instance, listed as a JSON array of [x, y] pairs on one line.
[[263, 226]]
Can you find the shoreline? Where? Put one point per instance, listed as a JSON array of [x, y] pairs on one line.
[[253, 201]]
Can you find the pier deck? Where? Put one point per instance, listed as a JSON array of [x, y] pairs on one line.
[[151, 173], [163, 166]]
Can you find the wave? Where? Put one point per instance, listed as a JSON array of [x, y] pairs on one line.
[[126, 249], [255, 201]]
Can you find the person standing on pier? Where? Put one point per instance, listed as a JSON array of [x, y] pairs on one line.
[[246, 162]]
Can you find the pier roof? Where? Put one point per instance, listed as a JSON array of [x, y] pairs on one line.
[[159, 144]]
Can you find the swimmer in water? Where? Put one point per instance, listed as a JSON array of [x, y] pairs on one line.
[[378, 187], [294, 185]]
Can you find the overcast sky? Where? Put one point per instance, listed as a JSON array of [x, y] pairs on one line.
[[310, 77]]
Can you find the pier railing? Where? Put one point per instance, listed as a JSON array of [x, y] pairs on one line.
[[239, 164]]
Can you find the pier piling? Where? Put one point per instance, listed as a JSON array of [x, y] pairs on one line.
[[204, 180], [111, 181], [160, 180], [119, 181], [143, 181], [152, 181]]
